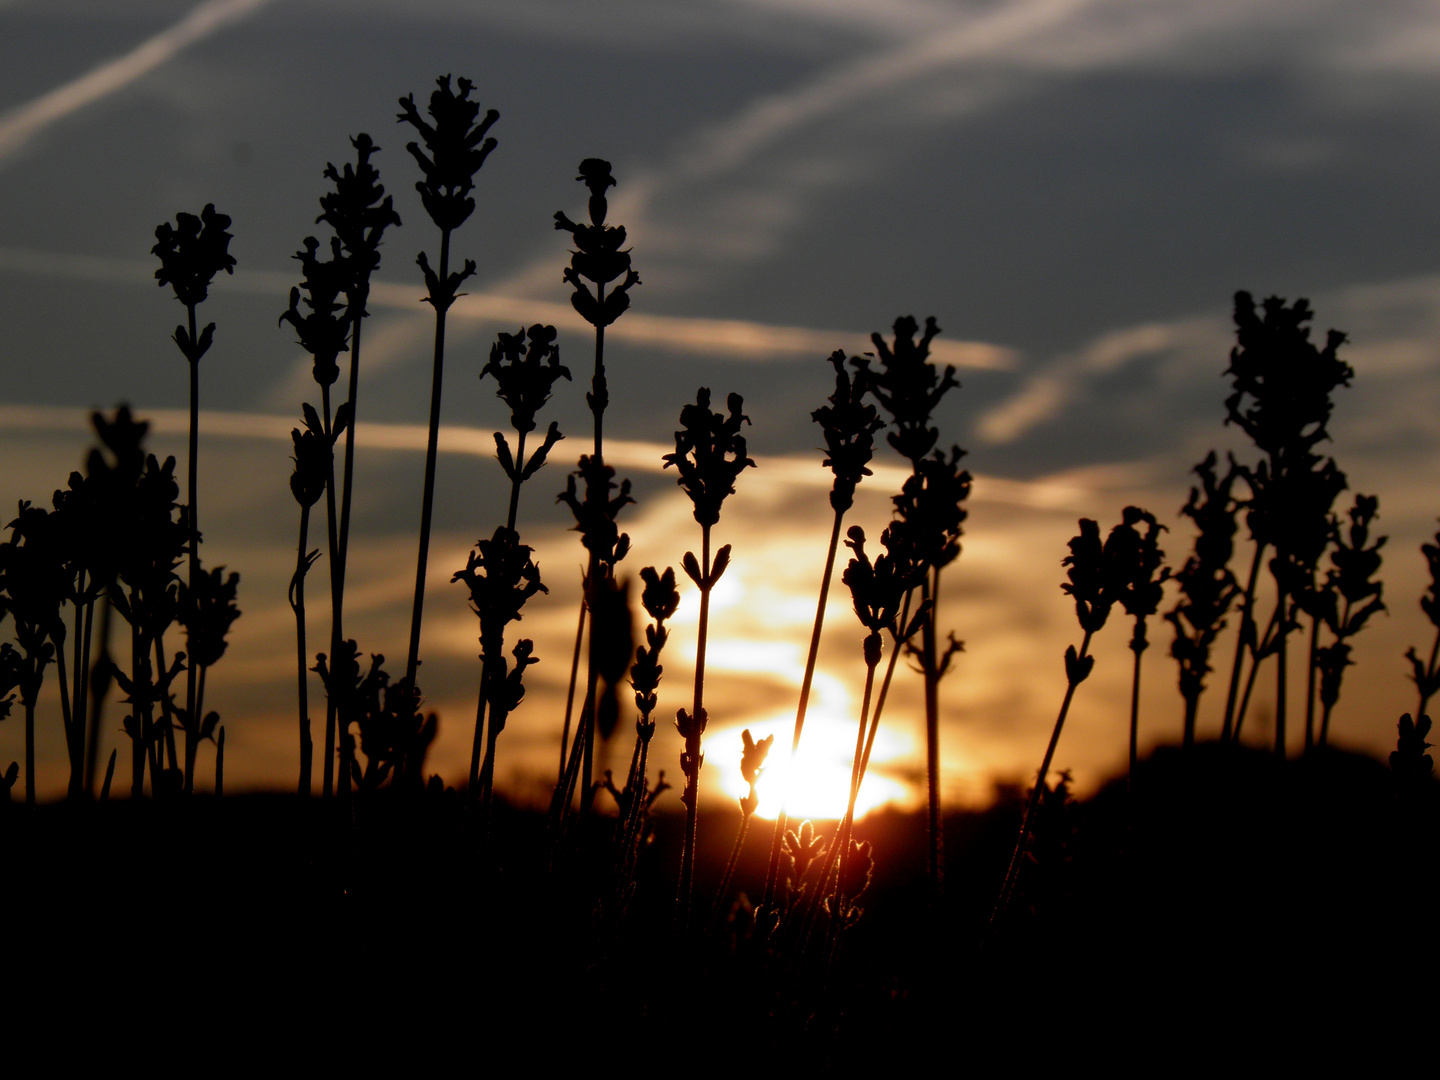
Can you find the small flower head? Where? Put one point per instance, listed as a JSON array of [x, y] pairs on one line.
[[660, 598], [192, 252], [501, 576], [359, 211], [207, 614], [909, 387], [595, 512], [525, 371], [314, 458], [931, 506], [600, 256], [323, 329], [849, 425], [456, 145], [709, 454]]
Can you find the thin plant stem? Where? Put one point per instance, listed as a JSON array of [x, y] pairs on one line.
[[1252, 675], [1424, 697], [718, 910], [29, 752], [1012, 874], [99, 674], [479, 730], [574, 676], [336, 629], [297, 602], [193, 487], [772, 873], [930, 664], [1310, 685], [432, 447], [1280, 675], [1229, 732], [692, 743], [1134, 719]]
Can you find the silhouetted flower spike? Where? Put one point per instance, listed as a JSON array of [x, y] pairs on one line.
[[1139, 562], [124, 437], [595, 174], [501, 576], [849, 425], [324, 330], [314, 456], [455, 148], [1091, 584], [192, 252], [207, 614], [1409, 759], [752, 757], [359, 211], [1356, 564], [908, 385], [595, 513], [709, 454], [660, 598], [526, 372], [878, 589], [930, 507], [599, 258], [1282, 382], [1207, 586]]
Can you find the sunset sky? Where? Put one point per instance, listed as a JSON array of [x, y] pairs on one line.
[[1073, 188]]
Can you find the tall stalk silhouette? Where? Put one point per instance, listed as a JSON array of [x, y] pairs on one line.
[[849, 425], [1207, 586], [910, 388], [322, 326], [1139, 557], [456, 145], [709, 456], [601, 260], [314, 464], [1281, 398], [191, 253], [1426, 673], [1099, 575]]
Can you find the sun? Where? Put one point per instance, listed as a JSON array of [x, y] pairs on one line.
[[818, 786]]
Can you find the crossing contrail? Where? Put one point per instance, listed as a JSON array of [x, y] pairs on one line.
[[23, 123]]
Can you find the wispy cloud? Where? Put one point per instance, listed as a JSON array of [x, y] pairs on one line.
[[23, 123], [735, 339]]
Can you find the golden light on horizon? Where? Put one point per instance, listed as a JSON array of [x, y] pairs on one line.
[[817, 785]]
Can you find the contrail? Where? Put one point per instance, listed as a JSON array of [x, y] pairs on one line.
[[21, 124]]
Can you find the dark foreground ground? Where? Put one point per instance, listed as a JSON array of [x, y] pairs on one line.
[[1227, 904]]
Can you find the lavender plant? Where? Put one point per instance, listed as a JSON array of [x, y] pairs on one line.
[[1281, 398], [191, 253], [1207, 586], [910, 388], [849, 425], [600, 260], [456, 146], [709, 456]]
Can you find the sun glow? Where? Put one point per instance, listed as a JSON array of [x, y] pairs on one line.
[[818, 785]]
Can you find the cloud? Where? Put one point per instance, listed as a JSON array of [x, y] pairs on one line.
[[734, 339], [1053, 388], [23, 123]]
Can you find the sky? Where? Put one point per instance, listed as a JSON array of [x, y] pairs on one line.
[[1074, 189]]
